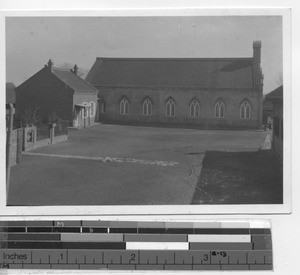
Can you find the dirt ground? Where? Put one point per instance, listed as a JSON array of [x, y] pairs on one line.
[[240, 178], [124, 165]]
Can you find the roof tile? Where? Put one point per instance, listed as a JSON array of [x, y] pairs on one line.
[[72, 80]]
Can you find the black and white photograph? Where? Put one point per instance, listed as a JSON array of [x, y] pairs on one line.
[[145, 110]]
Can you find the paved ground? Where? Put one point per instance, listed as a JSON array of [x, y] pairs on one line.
[[112, 165]]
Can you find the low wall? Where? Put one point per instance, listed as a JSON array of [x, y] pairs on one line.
[[30, 138]]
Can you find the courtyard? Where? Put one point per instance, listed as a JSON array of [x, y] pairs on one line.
[[135, 165]]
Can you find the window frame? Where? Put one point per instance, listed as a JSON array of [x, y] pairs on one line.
[[218, 105], [124, 101], [147, 103], [195, 106], [170, 103], [243, 110]]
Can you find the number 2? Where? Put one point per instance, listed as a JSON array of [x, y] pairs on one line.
[[132, 257]]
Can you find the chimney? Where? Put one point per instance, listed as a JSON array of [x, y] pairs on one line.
[[75, 69], [50, 64], [256, 52]]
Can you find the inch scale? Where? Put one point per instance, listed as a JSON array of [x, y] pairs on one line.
[[116, 245]]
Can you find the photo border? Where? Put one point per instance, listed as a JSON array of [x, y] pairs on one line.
[[117, 210]]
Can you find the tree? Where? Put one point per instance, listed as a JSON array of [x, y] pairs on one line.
[[82, 72], [31, 117]]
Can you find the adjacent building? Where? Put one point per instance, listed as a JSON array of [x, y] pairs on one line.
[[276, 97], [57, 92], [10, 94], [205, 93], [10, 100]]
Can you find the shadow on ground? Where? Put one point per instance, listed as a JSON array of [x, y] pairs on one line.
[[240, 178]]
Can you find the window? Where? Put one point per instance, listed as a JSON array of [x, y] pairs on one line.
[[170, 107], [220, 109], [92, 109], [195, 109], [147, 108], [124, 106], [245, 110]]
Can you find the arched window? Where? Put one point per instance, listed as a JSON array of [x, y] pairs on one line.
[[245, 110], [170, 107], [147, 107], [220, 109], [195, 108], [124, 106]]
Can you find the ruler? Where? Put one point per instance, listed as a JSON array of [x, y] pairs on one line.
[[131, 245]]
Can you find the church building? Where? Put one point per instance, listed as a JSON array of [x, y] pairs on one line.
[[202, 93]]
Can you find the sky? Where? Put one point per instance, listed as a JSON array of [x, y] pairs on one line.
[[32, 41]]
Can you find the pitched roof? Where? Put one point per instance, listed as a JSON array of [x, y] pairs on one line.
[[10, 93], [172, 72], [72, 80], [275, 95]]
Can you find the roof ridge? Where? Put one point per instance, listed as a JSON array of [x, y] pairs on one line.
[[62, 69]]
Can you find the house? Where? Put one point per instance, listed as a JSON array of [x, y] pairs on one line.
[[60, 93], [205, 93], [276, 97]]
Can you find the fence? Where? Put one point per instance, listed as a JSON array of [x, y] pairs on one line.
[[60, 129], [44, 134]]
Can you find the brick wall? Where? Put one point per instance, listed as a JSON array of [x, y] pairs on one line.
[[232, 99]]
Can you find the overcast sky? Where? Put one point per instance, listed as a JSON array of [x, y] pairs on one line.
[[31, 41]]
